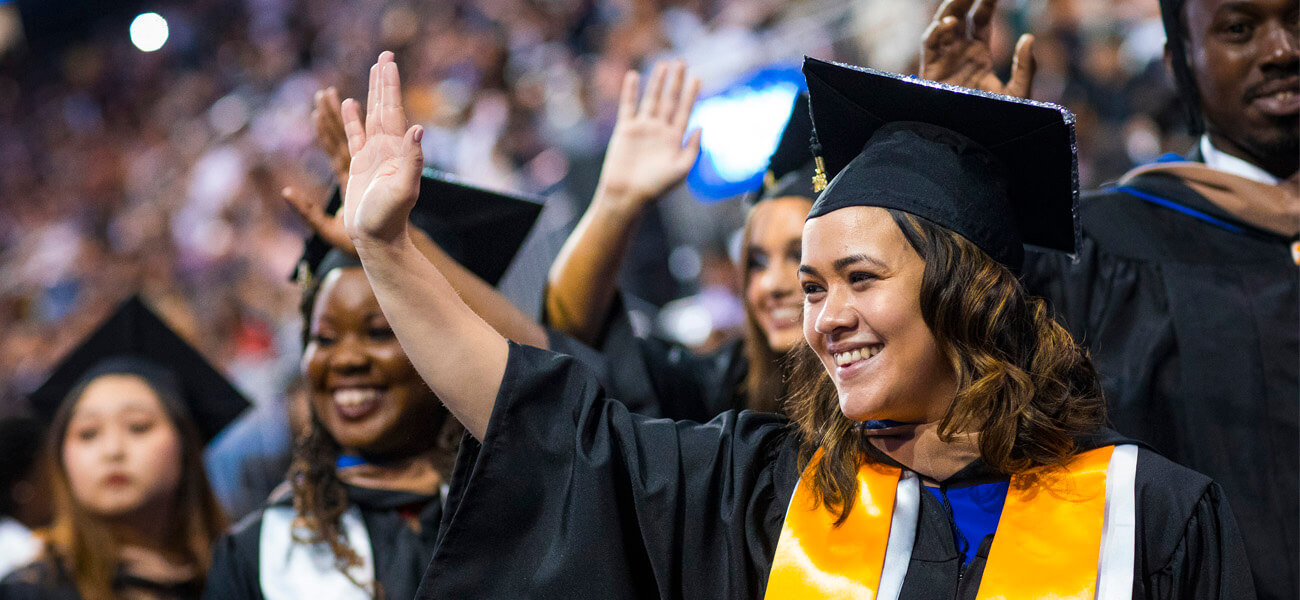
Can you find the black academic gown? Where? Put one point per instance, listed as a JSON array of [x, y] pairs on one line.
[[45, 580], [400, 553], [571, 496], [1195, 333], [659, 378]]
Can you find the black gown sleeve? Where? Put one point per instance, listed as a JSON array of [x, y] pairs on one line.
[[1191, 547], [572, 496], [234, 571]]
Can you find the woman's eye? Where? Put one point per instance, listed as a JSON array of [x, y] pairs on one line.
[[321, 339], [811, 288], [381, 333], [756, 263], [140, 427], [861, 276], [87, 434]]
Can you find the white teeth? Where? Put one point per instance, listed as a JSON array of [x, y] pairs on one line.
[[351, 397], [857, 354], [788, 314]]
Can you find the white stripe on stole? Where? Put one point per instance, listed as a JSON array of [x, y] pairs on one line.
[[289, 568], [1119, 530], [902, 536]]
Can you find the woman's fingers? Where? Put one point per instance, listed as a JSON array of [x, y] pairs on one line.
[[650, 99], [627, 97], [686, 103], [690, 152], [372, 100], [352, 127], [957, 9], [393, 116], [672, 92], [981, 15], [1023, 68], [941, 34]]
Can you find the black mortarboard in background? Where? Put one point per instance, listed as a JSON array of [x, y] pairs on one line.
[[998, 170], [480, 229], [790, 169], [134, 340]]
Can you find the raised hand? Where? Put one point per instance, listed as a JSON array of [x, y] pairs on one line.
[[328, 119], [646, 155], [384, 176], [955, 49], [312, 210]]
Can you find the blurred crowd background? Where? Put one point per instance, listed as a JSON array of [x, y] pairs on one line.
[[160, 172]]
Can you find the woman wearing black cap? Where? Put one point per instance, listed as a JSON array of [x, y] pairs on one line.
[[134, 516], [360, 513], [645, 158], [1026, 495]]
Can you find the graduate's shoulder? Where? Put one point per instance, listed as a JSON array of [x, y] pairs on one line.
[[247, 531], [1160, 483]]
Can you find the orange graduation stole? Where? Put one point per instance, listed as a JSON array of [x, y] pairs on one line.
[[1049, 541]]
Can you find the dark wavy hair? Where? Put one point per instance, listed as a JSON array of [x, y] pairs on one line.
[[1022, 382], [319, 497]]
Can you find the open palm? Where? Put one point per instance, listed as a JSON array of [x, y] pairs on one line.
[[646, 155], [955, 49], [384, 177]]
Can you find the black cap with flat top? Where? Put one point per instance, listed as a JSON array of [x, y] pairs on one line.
[[998, 170], [480, 229], [791, 165], [133, 340]]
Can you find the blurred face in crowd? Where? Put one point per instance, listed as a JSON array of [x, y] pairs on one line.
[[121, 452], [1245, 57], [362, 387], [861, 281], [771, 281]]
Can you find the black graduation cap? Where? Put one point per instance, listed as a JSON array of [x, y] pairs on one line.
[[998, 170], [480, 229], [137, 340], [791, 165]]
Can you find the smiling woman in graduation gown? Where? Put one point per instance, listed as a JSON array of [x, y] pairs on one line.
[[359, 515], [996, 479]]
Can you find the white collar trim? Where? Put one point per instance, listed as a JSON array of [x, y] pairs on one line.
[[1222, 161]]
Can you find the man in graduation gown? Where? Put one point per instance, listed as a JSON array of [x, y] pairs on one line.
[[1185, 289]]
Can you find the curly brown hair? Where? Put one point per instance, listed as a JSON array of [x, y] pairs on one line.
[[319, 498], [1022, 382]]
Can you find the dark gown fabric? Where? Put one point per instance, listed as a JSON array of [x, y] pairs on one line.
[[1195, 333], [659, 378], [401, 554], [572, 496], [44, 580]]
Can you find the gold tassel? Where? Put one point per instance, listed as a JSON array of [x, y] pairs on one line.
[[819, 175], [304, 274]]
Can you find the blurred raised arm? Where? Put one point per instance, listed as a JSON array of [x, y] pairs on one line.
[[456, 352], [645, 158]]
